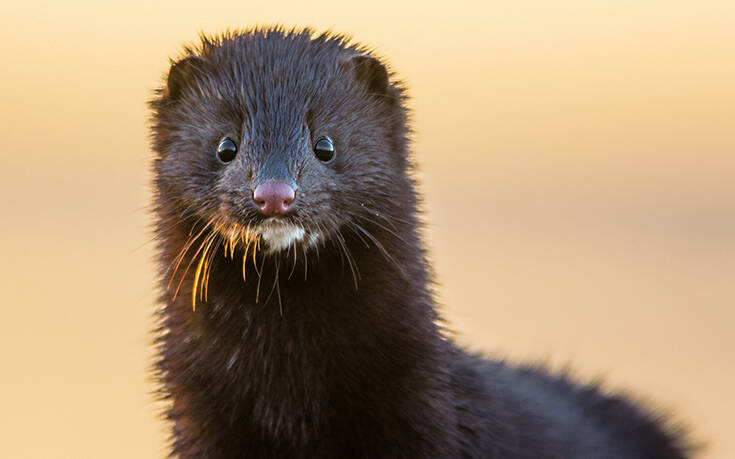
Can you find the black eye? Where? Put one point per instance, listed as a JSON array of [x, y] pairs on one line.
[[324, 150], [226, 150]]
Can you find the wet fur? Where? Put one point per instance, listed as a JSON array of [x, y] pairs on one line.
[[331, 348]]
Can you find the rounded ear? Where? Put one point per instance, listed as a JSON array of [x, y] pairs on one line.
[[181, 75], [369, 72]]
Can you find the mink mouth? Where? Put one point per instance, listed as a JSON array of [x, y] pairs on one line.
[[272, 234], [266, 234], [280, 234], [242, 228]]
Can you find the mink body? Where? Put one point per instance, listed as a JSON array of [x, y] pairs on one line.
[[313, 333]]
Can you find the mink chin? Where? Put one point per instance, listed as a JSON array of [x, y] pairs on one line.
[[297, 317]]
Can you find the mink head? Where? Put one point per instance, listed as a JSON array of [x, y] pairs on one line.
[[281, 138]]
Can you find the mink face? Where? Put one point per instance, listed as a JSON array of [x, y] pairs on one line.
[[310, 115]]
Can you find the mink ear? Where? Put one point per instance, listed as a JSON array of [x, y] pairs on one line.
[[181, 75], [370, 72]]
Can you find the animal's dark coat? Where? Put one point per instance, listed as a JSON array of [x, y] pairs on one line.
[[331, 348]]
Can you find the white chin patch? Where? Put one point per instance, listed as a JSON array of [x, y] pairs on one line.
[[280, 236]]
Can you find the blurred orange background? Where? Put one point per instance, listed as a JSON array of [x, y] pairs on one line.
[[597, 140]]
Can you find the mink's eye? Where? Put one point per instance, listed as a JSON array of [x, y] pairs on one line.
[[324, 150], [226, 150]]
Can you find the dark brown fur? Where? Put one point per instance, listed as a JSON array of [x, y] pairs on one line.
[[330, 349]]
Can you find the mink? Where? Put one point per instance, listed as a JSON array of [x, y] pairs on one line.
[[297, 315]]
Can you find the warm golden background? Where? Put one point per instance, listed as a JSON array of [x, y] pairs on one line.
[[578, 159]]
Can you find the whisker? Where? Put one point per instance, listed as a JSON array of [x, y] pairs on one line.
[[350, 260], [260, 277], [372, 212], [208, 266], [179, 258], [382, 249], [191, 262], [306, 263], [276, 287], [245, 262], [360, 236], [383, 227], [293, 265], [198, 272]]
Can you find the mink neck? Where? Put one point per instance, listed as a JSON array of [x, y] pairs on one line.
[[353, 295], [300, 362]]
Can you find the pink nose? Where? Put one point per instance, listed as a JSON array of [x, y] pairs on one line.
[[273, 198]]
